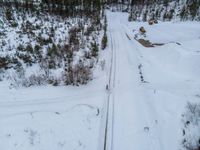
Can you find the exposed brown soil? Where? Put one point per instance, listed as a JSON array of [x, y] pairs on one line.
[[147, 43]]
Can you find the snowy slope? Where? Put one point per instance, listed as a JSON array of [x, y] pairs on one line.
[[40, 48], [50, 118], [152, 85], [149, 89]]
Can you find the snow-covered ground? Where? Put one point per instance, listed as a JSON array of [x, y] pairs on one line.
[[50, 118], [149, 90], [152, 85]]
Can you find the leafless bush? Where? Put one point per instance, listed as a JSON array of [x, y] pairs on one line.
[[191, 127], [79, 74], [102, 64]]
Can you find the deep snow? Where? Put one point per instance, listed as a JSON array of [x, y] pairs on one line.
[[142, 115], [147, 114]]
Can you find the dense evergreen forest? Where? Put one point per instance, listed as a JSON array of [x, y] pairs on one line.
[[165, 10], [160, 9], [61, 7]]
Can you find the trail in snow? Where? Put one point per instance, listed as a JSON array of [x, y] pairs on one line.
[[129, 115], [146, 93], [52, 118]]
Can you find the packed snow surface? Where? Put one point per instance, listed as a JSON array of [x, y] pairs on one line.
[[150, 89], [152, 85]]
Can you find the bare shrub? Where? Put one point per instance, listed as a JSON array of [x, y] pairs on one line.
[[191, 127]]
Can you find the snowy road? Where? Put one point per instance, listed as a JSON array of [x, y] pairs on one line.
[[146, 94], [131, 113]]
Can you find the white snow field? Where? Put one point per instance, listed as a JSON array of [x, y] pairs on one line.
[[52, 118], [147, 114], [148, 92]]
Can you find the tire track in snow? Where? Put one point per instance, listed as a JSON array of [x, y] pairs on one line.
[[153, 135], [56, 112], [108, 133], [43, 101]]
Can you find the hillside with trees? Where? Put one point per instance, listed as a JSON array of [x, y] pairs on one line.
[[58, 41], [65, 36]]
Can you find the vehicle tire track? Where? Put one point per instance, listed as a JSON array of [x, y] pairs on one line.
[[108, 135]]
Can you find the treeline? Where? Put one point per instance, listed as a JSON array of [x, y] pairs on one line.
[[160, 9], [60, 7], [63, 40], [166, 10], [150, 2]]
